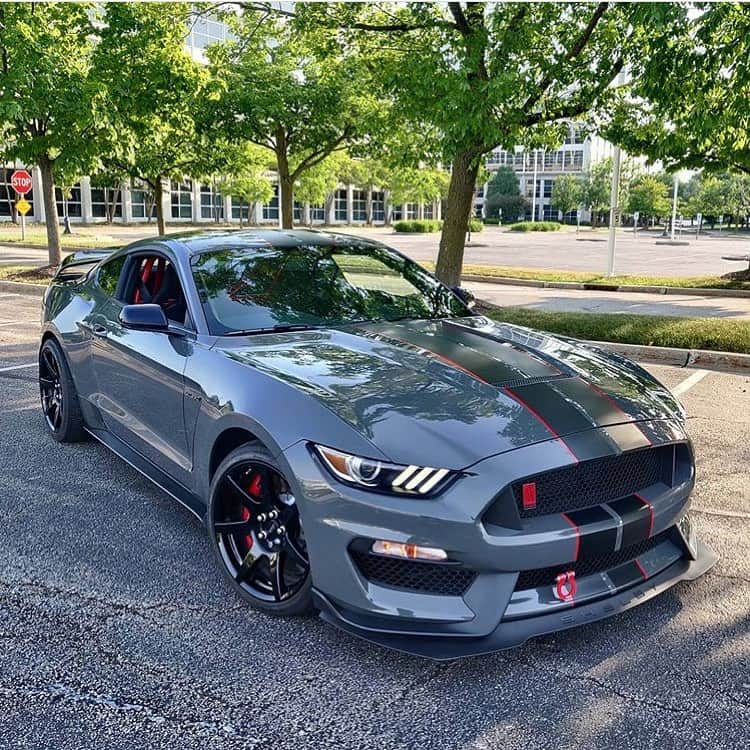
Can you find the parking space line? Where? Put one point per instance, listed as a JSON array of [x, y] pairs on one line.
[[18, 367], [688, 383]]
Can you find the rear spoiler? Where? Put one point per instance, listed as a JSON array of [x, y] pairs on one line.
[[77, 265]]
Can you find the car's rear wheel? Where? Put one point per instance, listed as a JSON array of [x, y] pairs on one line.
[[60, 406], [256, 533]]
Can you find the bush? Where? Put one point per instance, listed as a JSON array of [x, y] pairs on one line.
[[535, 226], [475, 224], [418, 225]]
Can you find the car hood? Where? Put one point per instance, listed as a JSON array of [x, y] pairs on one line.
[[451, 392]]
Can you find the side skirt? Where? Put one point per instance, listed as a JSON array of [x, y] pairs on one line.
[[142, 465]]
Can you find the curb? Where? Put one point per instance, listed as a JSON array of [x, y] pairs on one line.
[[603, 287], [701, 358], [19, 287]]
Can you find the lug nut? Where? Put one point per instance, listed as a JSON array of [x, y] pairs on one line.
[[262, 535], [273, 514], [281, 530], [261, 517]]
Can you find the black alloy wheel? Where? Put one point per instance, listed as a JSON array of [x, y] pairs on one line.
[[255, 524], [60, 405]]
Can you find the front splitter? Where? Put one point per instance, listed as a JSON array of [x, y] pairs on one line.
[[513, 634]]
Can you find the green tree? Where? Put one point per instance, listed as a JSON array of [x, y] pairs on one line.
[[688, 103], [289, 92], [415, 185], [566, 193], [710, 199], [155, 92], [247, 177], [473, 76], [649, 197], [504, 194], [48, 106], [596, 187]]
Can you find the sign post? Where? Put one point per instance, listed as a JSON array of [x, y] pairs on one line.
[[20, 181]]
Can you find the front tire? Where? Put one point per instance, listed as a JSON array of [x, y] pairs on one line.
[[60, 405], [256, 533]]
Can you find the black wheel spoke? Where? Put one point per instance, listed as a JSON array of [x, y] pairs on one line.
[[277, 575], [248, 564], [245, 497], [296, 553], [47, 381], [234, 527], [49, 360]]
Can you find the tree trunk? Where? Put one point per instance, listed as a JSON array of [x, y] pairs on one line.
[[158, 193], [456, 221], [50, 210], [287, 202]]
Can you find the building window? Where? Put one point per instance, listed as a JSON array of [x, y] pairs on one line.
[[212, 204], [577, 159], [238, 204], [182, 199], [297, 211], [106, 203], [378, 205], [359, 205], [550, 213], [8, 195], [271, 209], [142, 203], [339, 206], [548, 188], [428, 211], [412, 210], [206, 30], [397, 213], [72, 201], [317, 213]]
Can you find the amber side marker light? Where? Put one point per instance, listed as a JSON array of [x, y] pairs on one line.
[[408, 551]]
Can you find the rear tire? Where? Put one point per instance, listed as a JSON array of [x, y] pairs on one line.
[[60, 405], [256, 533]]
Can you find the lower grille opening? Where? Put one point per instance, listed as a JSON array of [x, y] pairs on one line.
[[532, 579], [446, 579]]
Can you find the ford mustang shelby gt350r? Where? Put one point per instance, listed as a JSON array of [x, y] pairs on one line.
[[358, 441]]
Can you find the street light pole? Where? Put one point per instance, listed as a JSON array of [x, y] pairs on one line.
[[613, 211], [533, 193], [674, 202]]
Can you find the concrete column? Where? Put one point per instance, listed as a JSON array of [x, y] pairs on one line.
[[126, 197], [227, 208], [331, 217], [386, 205], [196, 200], [306, 215], [350, 204], [166, 200], [87, 213], [36, 186], [420, 210], [258, 212]]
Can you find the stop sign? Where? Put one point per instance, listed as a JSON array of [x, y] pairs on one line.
[[20, 181]]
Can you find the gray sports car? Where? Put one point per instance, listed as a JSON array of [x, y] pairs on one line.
[[356, 440]]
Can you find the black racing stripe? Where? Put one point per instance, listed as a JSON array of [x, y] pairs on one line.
[[594, 541], [636, 519], [524, 361], [567, 419], [625, 575], [628, 437], [483, 366]]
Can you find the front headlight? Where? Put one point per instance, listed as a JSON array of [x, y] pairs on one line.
[[379, 476]]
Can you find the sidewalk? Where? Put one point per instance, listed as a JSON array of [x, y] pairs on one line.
[[636, 303]]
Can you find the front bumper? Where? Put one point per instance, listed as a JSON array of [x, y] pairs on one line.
[[492, 613]]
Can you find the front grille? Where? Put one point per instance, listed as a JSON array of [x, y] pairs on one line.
[[446, 579], [532, 579], [601, 480]]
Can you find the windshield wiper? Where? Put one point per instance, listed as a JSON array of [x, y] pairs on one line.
[[281, 328]]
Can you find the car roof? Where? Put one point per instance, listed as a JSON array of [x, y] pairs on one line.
[[198, 241]]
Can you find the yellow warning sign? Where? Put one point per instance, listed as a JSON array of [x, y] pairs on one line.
[[23, 206]]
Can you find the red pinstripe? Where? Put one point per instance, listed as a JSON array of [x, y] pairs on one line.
[[651, 513], [578, 534], [617, 406], [641, 568]]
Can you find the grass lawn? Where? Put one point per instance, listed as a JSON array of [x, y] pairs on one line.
[[734, 280], [37, 237], [652, 330], [25, 274]]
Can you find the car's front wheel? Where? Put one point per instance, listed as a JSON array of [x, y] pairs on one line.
[[256, 533]]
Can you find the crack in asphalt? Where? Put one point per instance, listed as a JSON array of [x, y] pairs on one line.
[[58, 691]]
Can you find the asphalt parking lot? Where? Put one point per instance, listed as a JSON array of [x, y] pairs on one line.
[[117, 632]]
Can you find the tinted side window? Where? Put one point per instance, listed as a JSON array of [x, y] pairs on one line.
[[109, 275]]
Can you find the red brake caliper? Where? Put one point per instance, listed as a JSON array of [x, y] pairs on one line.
[[254, 490]]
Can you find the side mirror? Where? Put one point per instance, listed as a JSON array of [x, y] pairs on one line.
[[144, 318], [465, 296]]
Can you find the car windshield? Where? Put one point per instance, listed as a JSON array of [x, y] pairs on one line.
[[271, 287]]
